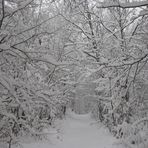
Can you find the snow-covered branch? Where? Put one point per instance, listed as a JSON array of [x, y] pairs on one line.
[[3, 13], [123, 5]]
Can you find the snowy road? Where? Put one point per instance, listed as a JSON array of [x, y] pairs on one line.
[[79, 132]]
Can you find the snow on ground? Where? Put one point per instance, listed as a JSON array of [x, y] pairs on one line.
[[79, 131]]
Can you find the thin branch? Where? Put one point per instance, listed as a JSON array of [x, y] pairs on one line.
[[91, 55], [43, 22], [3, 13], [76, 26], [124, 64], [34, 35], [113, 33], [20, 9]]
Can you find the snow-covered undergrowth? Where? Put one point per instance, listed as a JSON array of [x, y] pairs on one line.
[[133, 135], [48, 136]]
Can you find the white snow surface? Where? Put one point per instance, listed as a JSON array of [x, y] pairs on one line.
[[79, 131]]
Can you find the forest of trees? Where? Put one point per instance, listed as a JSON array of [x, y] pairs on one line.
[[49, 49]]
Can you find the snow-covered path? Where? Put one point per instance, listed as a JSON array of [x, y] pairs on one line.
[[79, 131]]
